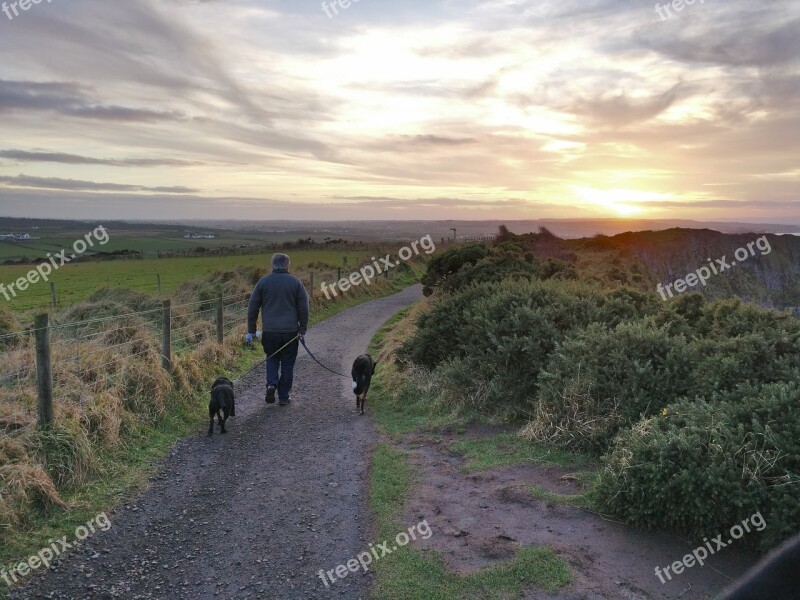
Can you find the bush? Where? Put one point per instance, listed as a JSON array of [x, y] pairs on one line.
[[702, 466], [444, 265], [601, 380]]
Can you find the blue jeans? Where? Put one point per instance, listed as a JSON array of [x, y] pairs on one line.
[[280, 368]]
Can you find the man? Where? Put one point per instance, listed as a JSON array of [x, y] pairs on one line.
[[283, 303]]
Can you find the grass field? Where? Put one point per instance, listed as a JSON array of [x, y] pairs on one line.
[[77, 282], [147, 241]]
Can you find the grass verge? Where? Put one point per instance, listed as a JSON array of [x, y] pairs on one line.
[[508, 449], [410, 573]]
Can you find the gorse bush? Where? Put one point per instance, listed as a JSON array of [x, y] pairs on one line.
[[693, 405], [461, 267], [505, 333], [702, 466], [602, 379]]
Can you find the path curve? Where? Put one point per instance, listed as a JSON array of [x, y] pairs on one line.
[[255, 513]]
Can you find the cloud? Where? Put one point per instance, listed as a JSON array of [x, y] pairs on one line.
[[75, 159], [70, 99], [55, 183]]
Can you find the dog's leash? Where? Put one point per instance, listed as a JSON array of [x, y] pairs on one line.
[[314, 358], [303, 342], [261, 362]]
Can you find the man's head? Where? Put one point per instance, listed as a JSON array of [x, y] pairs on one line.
[[280, 262]]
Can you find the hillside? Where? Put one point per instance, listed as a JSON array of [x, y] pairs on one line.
[[768, 276]]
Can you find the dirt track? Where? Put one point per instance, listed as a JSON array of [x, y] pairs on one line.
[[254, 513]]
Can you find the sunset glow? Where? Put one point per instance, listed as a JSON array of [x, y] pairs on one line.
[[253, 109]]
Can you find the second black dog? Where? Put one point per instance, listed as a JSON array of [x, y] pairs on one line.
[[363, 370], [222, 403]]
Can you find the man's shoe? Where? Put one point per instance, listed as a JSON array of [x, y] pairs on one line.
[[284, 402], [270, 399]]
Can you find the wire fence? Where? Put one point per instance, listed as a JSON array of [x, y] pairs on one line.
[[85, 357], [94, 355]]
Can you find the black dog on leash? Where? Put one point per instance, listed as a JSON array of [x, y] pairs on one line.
[[363, 370], [222, 404]]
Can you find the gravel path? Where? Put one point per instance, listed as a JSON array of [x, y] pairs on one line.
[[255, 513]]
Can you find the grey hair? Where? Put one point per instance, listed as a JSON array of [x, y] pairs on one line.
[[280, 261]]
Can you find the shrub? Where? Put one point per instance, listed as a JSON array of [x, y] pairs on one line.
[[601, 380], [444, 265], [702, 466]]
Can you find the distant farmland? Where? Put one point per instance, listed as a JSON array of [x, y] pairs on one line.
[[146, 242], [78, 281]]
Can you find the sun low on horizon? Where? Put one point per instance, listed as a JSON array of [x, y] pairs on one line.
[[389, 109]]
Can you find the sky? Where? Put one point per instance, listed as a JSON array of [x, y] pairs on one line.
[[400, 109]]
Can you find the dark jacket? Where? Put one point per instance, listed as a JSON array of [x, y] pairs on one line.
[[283, 303]]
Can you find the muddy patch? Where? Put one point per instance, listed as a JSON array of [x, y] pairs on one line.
[[480, 519]]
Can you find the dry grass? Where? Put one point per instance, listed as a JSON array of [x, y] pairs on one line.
[[107, 380], [576, 422]]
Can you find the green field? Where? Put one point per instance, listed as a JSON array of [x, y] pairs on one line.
[[77, 282], [146, 242]]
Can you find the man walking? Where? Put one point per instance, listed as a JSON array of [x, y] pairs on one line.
[[283, 303]]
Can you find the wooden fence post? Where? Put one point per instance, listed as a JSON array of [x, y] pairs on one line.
[[166, 324], [53, 297], [220, 320], [44, 373], [311, 291], [339, 274], [158, 280]]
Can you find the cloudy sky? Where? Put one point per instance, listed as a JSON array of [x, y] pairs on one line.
[[401, 109]]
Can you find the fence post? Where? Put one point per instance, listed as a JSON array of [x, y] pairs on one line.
[[311, 291], [44, 373], [53, 297], [166, 324], [220, 320], [339, 274], [158, 280]]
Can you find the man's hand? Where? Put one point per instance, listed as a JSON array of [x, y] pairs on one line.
[[249, 338]]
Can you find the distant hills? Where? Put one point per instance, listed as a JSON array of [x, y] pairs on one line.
[[411, 230]]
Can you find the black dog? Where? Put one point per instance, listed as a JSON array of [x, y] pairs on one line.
[[222, 404], [363, 369]]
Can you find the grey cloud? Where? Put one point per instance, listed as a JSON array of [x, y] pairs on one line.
[[56, 183], [765, 44], [75, 159], [70, 99], [620, 110]]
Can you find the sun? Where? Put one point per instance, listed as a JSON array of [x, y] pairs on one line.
[[622, 201]]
